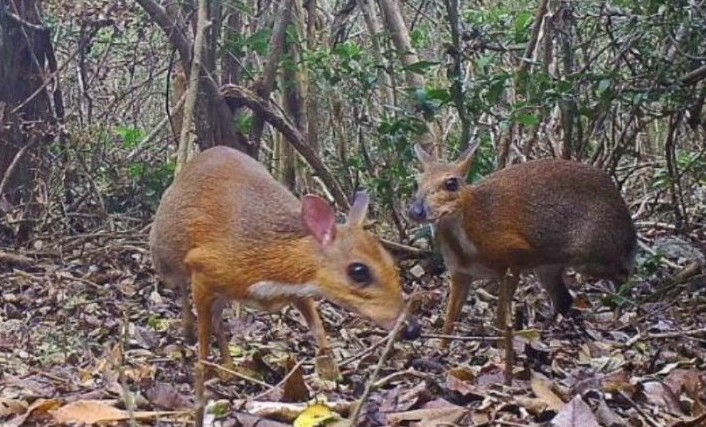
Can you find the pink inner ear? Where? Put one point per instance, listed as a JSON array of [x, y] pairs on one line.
[[320, 218]]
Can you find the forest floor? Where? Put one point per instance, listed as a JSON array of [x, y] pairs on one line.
[[87, 335]]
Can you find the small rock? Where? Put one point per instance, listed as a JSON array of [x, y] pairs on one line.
[[417, 271], [680, 249]]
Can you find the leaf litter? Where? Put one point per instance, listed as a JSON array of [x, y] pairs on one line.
[[88, 336]]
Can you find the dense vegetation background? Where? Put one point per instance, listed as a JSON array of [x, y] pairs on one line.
[[96, 113]]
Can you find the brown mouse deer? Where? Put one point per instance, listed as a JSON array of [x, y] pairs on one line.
[[542, 215], [231, 231]]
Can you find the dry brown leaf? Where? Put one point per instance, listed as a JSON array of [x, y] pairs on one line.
[[12, 407], [96, 411], [428, 417], [39, 407], [166, 396], [691, 381], [660, 395], [88, 411], [490, 375], [408, 398], [295, 389], [534, 406], [617, 382], [699, 421], [607, 417], [575, 414], [541, 386], [462, 381]]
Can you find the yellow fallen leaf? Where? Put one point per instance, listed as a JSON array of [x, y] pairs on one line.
[[315, 416], [529, 335], [158, 324]]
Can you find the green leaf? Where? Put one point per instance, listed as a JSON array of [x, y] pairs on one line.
[[603, 86], [421, 66], [439, 94], [259, 42], [131, 137], [527, 119]]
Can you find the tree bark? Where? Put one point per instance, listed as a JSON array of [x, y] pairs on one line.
[[192, 92], [402, 41], [27, 117], [178, 34], [265, 85]]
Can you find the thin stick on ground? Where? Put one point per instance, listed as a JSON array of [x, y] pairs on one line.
[[461, 337], [391, 338], [234, 373], [200, 393], [363, 353]]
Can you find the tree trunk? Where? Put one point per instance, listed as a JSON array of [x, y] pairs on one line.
[[28, 111]]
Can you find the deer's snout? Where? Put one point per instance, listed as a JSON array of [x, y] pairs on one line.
[[418, 211]]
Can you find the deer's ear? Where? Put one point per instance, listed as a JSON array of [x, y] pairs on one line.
[[359, 210], [319, 218], [465, 159], [422, 155]]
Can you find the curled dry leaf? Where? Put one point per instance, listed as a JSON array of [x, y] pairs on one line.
[[534, 406], [40, 407], [575, 414], [295, 389], [690, 381], [660, 395], [699, 421], [462, 381], [542, 388], [607, 417], [618, 381]]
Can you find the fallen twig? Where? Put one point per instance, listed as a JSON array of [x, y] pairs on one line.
[[639, 410], [391, 338], [395, 375], [662, 335], [234, 373], [460, 337], [363, 353], [672, 284]]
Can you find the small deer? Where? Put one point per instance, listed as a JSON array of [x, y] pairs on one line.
[[543, 215], [230, 230]]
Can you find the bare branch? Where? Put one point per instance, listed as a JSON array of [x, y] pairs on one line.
[[238, 96]]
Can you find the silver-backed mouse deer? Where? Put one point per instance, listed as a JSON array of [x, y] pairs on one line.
[[543, 215], [230, 230]]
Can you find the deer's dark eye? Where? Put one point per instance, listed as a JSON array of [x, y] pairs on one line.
[[452, 184], [360, 273]]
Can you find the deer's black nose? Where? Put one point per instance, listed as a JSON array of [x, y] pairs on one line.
[[417, 212], [411, 330]]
